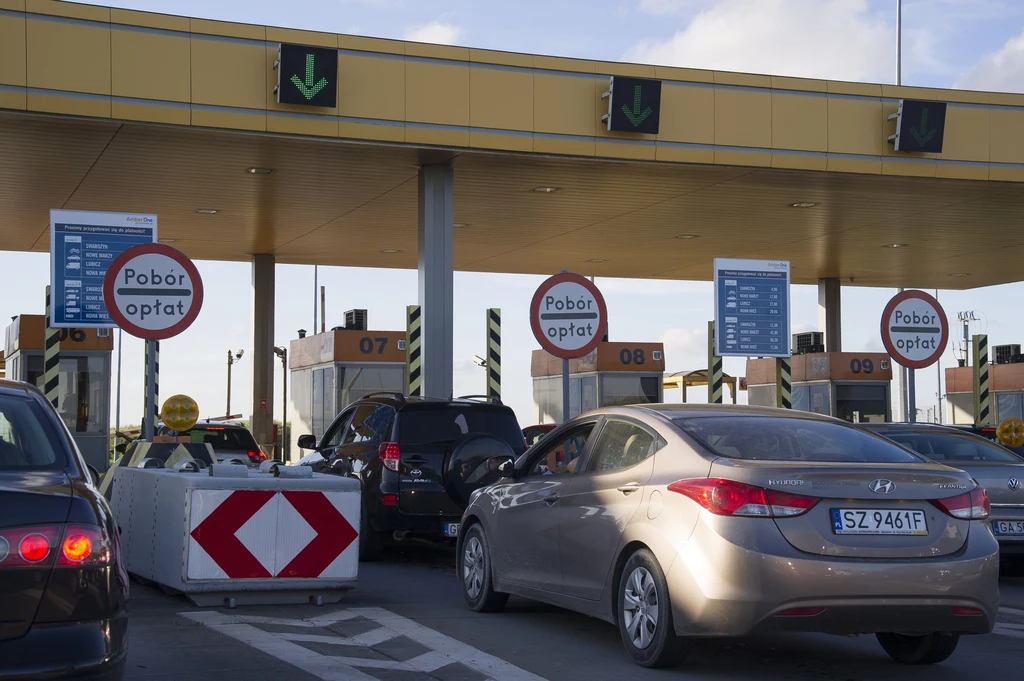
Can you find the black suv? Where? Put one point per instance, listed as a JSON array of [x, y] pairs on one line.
[[418, 459]]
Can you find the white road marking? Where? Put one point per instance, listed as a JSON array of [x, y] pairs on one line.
[[444, 650]]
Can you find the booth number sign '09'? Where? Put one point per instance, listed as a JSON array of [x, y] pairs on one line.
[[153, 291]]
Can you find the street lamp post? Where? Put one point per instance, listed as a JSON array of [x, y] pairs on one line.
[[232, 358], [283, 354]]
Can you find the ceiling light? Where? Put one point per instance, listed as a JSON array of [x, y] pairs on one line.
[[894, 246], [545, 190], [460, 225], [207, 211], [168, 241], [259, 171], [597, 260], [389, 250], [803, 204], [960, 274], [687, 236]]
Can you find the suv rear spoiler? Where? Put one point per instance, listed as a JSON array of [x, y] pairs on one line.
[[396, 395], [480, 398]]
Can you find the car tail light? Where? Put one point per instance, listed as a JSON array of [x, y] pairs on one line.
[[971, 505], [74, 545], [389, 499], [390, 454], [84, 545], [728, 497], [257, 457], [800, 612], [966, 612]]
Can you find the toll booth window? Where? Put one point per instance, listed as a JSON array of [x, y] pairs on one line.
[[27, 440], [1009, 405], [861, 403], [630, 389], [34, 370], [801, 397], [357, 381], [323, 400], [82, 397]]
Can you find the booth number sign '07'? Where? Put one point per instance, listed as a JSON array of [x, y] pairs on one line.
[[153, 291]]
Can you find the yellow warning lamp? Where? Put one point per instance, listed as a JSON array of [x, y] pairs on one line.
[[180, 412], [1011, 432]]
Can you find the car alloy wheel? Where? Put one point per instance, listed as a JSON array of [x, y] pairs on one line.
[[641, 608], [473, 563]]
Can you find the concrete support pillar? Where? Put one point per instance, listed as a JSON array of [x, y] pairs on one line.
[[436, 277], [262, 420], [830, 314]]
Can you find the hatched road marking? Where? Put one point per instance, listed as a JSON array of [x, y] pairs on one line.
[[311, 652]]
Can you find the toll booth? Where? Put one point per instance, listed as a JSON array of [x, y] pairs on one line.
[[83, 399], [851, 386], [613, 374], [1006, 390], [331, 370]]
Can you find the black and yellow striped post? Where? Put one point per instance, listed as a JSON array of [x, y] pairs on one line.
[[414, 351], [51, 357], [714, 369], [151, 412], [493, 363], [982, 398], [783, 383]]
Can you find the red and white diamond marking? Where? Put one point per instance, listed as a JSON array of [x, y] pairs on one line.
[[264, 534]]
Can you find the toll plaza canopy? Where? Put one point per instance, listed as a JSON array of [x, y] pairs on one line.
[[113, 110]]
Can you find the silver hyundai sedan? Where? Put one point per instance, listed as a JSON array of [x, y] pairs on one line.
[[676, 521]]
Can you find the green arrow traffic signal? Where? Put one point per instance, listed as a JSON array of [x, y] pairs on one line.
[[923, 135], [635, 116], [307, 88]]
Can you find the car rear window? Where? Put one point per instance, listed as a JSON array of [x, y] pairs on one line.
[[954, 447], [28, 440], [450, 423], [768, 438], [222, 438]]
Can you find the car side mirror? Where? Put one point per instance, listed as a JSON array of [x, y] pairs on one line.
[[307, 442], [504, 465], [94, 474]]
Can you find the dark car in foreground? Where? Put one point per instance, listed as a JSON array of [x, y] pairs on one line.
[[996, 468], [418, 460], [678, 522], [63, 586]]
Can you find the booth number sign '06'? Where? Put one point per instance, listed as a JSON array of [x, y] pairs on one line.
[[153, 291], [568, 316]]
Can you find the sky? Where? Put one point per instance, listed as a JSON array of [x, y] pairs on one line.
[[971, 44]]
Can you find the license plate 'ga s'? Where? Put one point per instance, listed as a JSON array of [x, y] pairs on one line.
[[451, 529]]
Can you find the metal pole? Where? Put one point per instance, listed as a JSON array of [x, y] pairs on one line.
[[316, 286], [565, 390], [899, 42], [323, 309], [150, 423], [938, 381], [117, 409], [227, 411], [904, 393], [284, 407], [911, 396]]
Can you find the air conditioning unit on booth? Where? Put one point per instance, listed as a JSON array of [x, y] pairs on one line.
[[808, 343]]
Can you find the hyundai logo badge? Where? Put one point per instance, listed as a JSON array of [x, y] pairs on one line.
[[882, 486], [1013, 484]]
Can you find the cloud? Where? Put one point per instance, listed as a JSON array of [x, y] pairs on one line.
[[666, 7], [435, 32], [685, 349], [1000, 71], [835, 39]]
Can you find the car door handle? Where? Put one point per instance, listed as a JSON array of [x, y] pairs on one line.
[[629, 488], [416, 460]]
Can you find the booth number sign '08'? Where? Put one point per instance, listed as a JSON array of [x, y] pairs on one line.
[[568, 316], [153, 291]]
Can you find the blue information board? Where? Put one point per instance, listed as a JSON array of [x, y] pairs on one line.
[[752, 308], [83, 244]]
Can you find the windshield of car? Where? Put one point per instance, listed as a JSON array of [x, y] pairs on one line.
[[28, 440], [450, 423], [769, 438], [223, 438], [954, 447]]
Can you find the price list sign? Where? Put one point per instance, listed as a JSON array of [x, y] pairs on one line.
[[83, 245], [752, 308]]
